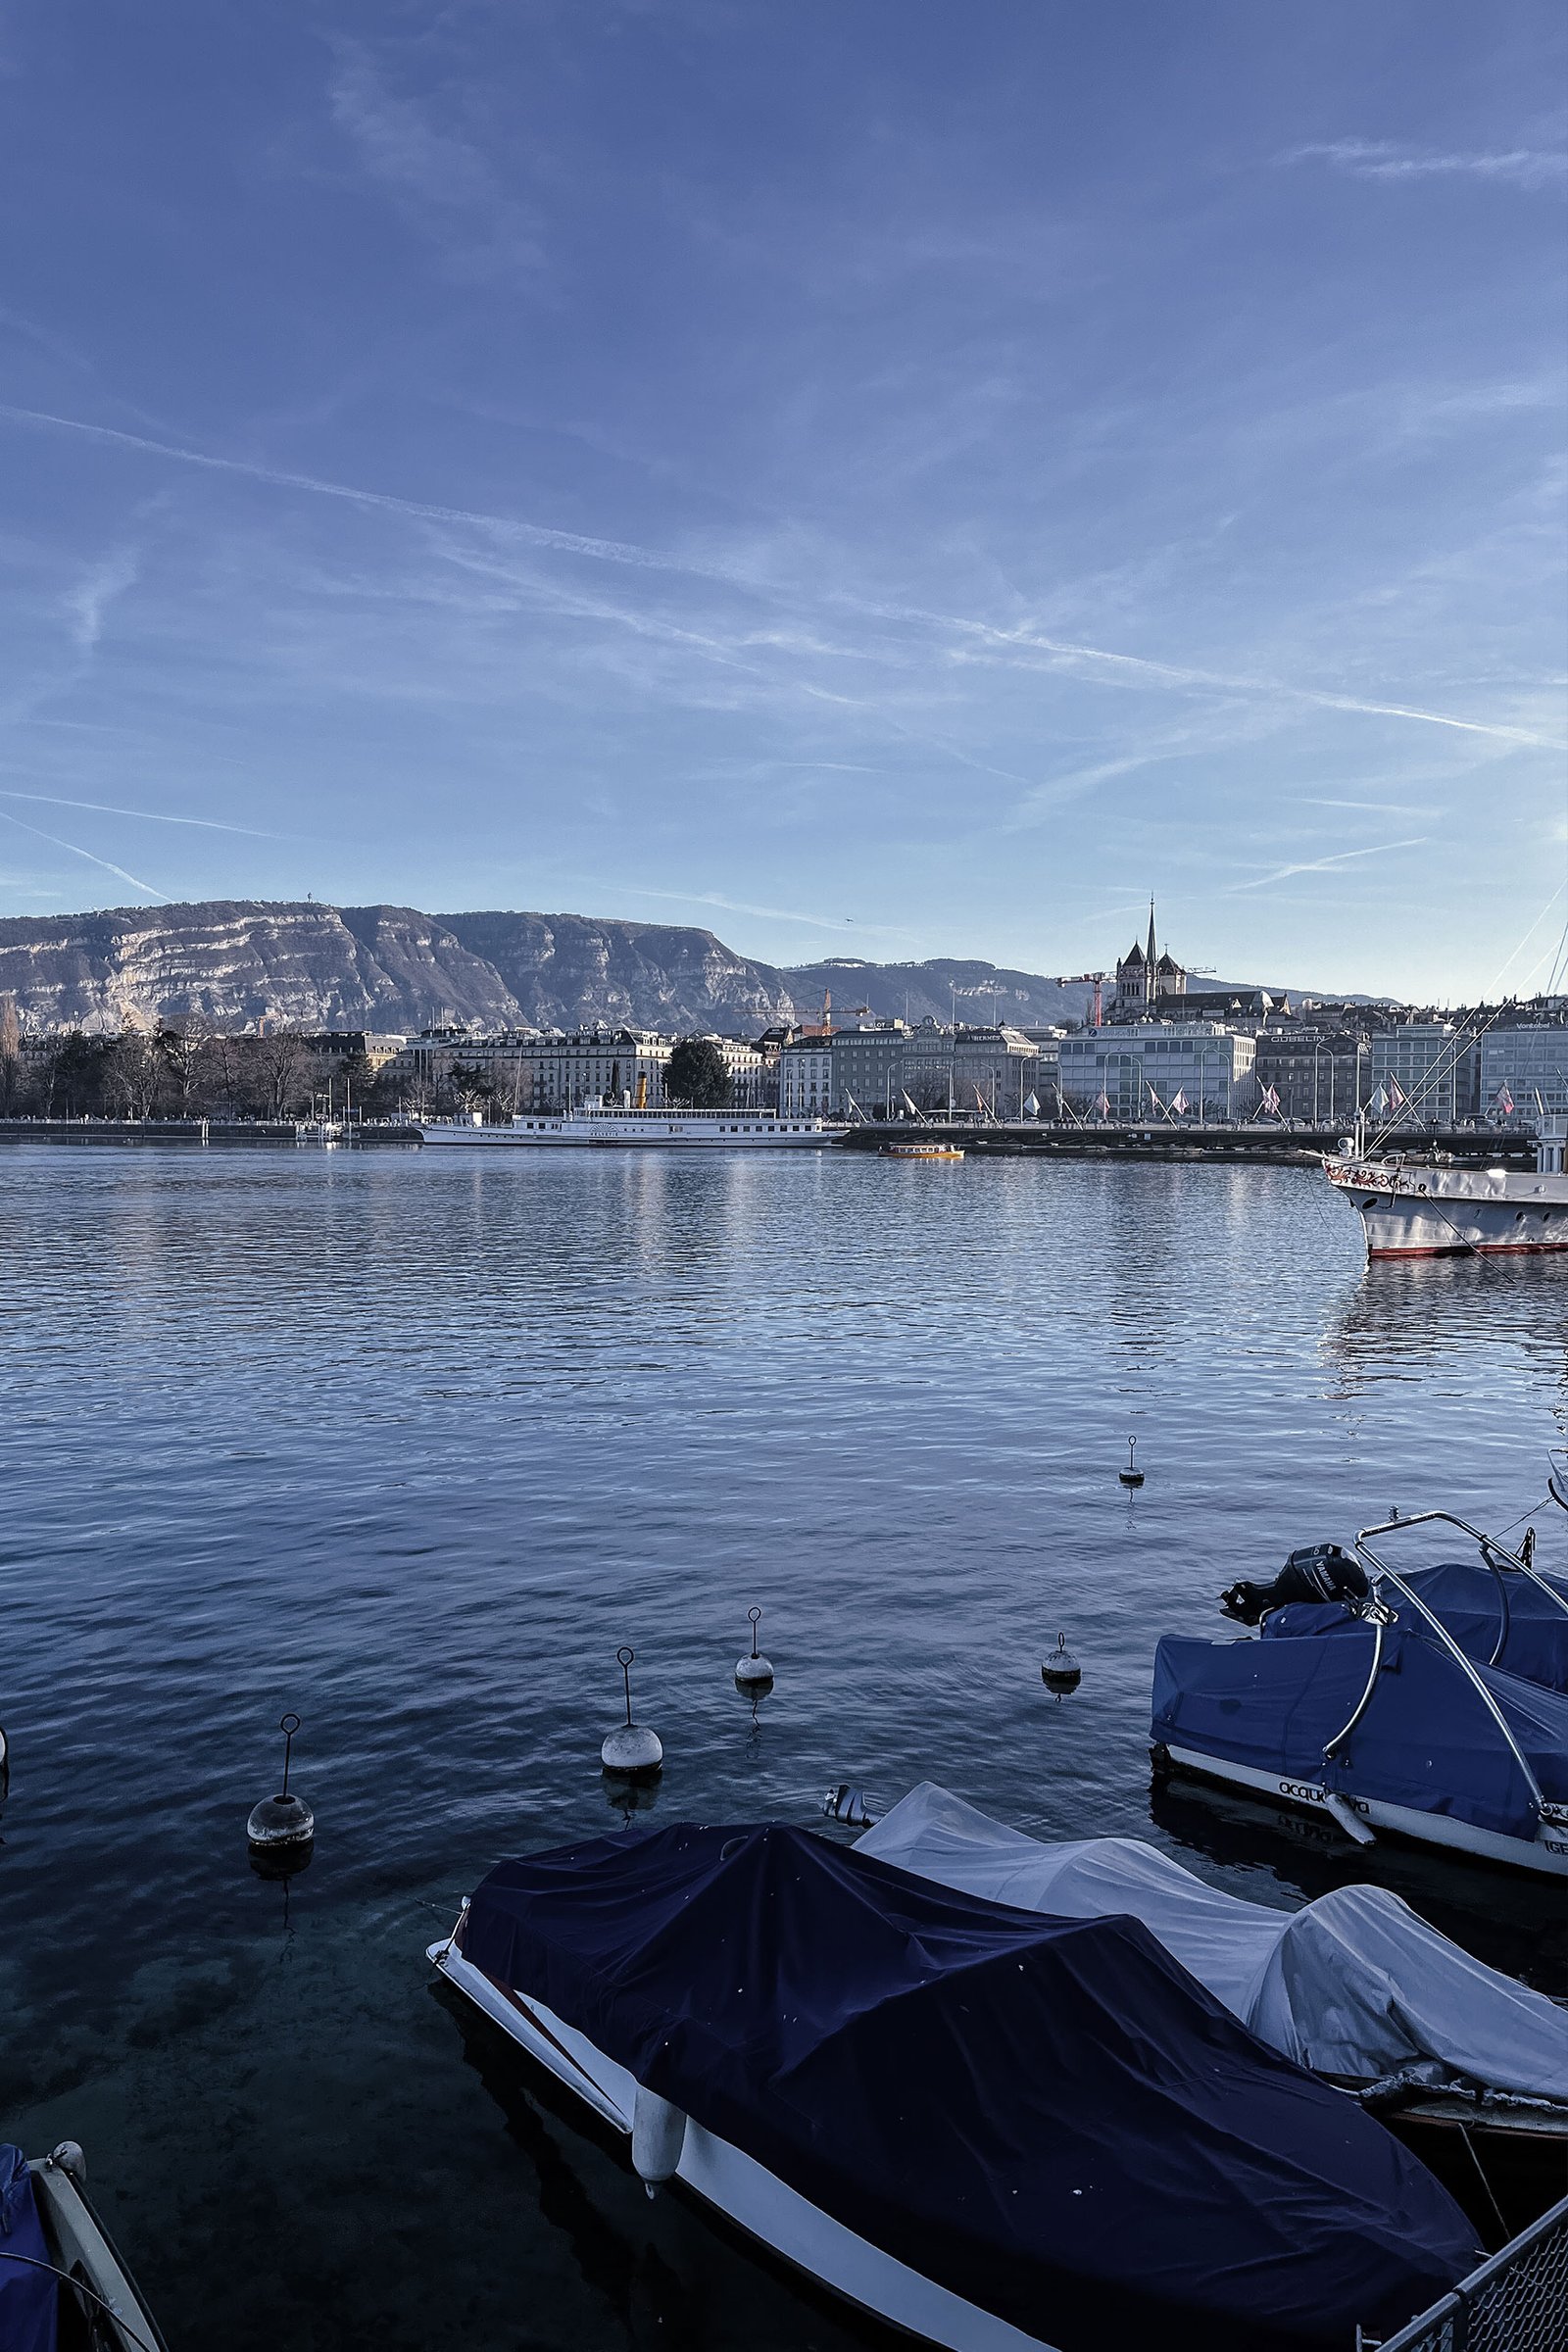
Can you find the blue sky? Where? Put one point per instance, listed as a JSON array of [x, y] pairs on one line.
[[875, 477]]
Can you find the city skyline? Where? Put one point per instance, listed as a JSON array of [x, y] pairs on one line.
[[867, 485]]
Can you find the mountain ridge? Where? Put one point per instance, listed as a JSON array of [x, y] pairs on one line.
[[231, 964]]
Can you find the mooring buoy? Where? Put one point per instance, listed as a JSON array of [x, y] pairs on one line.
[[632, 1751], [282, 1829], [1061, 1669], [753, 1672], [1131, 1477]]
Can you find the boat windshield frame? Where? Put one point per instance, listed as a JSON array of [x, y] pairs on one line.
[[1444, 1638]]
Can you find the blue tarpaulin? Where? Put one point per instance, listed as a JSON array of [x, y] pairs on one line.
[[1048, 2116], [1427, 1738], [30, 2298], [1476, 1607]]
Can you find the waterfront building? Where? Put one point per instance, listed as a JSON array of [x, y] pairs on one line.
[[1319, 1075], [1142, 1070], [991, 1070], [524, 1070], [806, 1077], [332, 1046], [1424, 1072], [1526, 1066], [868, 1068]]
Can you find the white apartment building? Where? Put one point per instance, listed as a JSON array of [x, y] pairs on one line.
[[806, 1078], [1422, 1072], [1526, 1066], [536, 1070], [1158, 1069]]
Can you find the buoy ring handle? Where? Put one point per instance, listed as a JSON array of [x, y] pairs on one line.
[[756, 1616], [625, 1657], [289, 1724]]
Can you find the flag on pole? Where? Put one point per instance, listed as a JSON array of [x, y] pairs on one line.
[[1271, 1101], [1179, 1104], [1103, 1105], [1397, 1097], [1506, 1100]]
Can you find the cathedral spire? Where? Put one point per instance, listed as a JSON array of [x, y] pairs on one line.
[[1151, 949]]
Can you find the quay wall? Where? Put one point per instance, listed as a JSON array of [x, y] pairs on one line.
[[1301, 1146], [199, 1133]]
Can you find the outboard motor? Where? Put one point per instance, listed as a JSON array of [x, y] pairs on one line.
[[1317, 1572]]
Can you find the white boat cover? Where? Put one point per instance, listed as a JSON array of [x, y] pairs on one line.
[[1356, 1985]]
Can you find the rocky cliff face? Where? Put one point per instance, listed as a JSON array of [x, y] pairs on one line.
[[230, 963]]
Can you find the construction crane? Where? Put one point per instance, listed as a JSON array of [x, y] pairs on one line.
[[1074, 979]]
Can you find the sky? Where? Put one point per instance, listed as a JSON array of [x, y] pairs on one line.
[[879, 477]]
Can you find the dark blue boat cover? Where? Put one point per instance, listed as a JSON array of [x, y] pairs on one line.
[[1426, 1740], [30, 2299], [1049, 2117], [1468, 1599]]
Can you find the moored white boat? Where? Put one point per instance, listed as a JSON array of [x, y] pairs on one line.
[[1412, 1207], [60, 2275], [603, 1126], [997, 2131], [1378, 1718]]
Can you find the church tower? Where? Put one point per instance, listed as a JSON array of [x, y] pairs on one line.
[[1144, 977]]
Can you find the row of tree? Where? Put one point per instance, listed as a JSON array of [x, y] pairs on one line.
[[170, 1072]]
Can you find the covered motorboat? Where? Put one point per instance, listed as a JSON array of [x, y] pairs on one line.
[[61, 2281], [1383, 1729], [1356, 1986], [1498, 1606], [997, 2131]]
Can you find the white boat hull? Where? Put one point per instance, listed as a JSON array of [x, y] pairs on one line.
[[1546, 1853], [1410, 1210], [754, 2199], [633, 1130]]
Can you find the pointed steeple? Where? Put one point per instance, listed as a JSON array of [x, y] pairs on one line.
[[1151, 955]]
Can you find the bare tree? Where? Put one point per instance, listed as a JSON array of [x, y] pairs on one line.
[[10, 1056], [134, 1073], [284, 1068], [227, 1076], [183, 1052]]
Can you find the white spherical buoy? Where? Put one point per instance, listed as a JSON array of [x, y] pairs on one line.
[[631, 1750], [753, 1672], [1061, 1669], [1131, 1476], [282, 1829]]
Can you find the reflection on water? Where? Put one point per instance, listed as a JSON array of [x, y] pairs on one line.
[[410, 1443]]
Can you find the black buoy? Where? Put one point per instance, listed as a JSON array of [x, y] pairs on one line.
[[1061, 1670], [753, 1672], [631, 1750], [282, 1829], [1131, 1476], [849, 1804]]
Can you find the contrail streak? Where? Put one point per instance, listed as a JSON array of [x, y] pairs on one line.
[[537, 534], [77, 851], [622, 552], [151, 816], [1323, 865]]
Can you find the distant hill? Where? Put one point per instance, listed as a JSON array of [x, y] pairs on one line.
[[232, 963], [936, 989]]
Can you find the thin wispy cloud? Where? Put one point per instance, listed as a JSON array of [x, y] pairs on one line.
[[777, 914], [87, 603], [1383, 159], [1324, 866], [1313, 800], [443, 184], [77, 851]]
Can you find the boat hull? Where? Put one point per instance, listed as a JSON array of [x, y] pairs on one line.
[[743, 2191], [1416, 1211], [1545, 1855], [653, 1135]]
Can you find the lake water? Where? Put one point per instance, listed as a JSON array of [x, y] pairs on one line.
[[409, 1442]]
